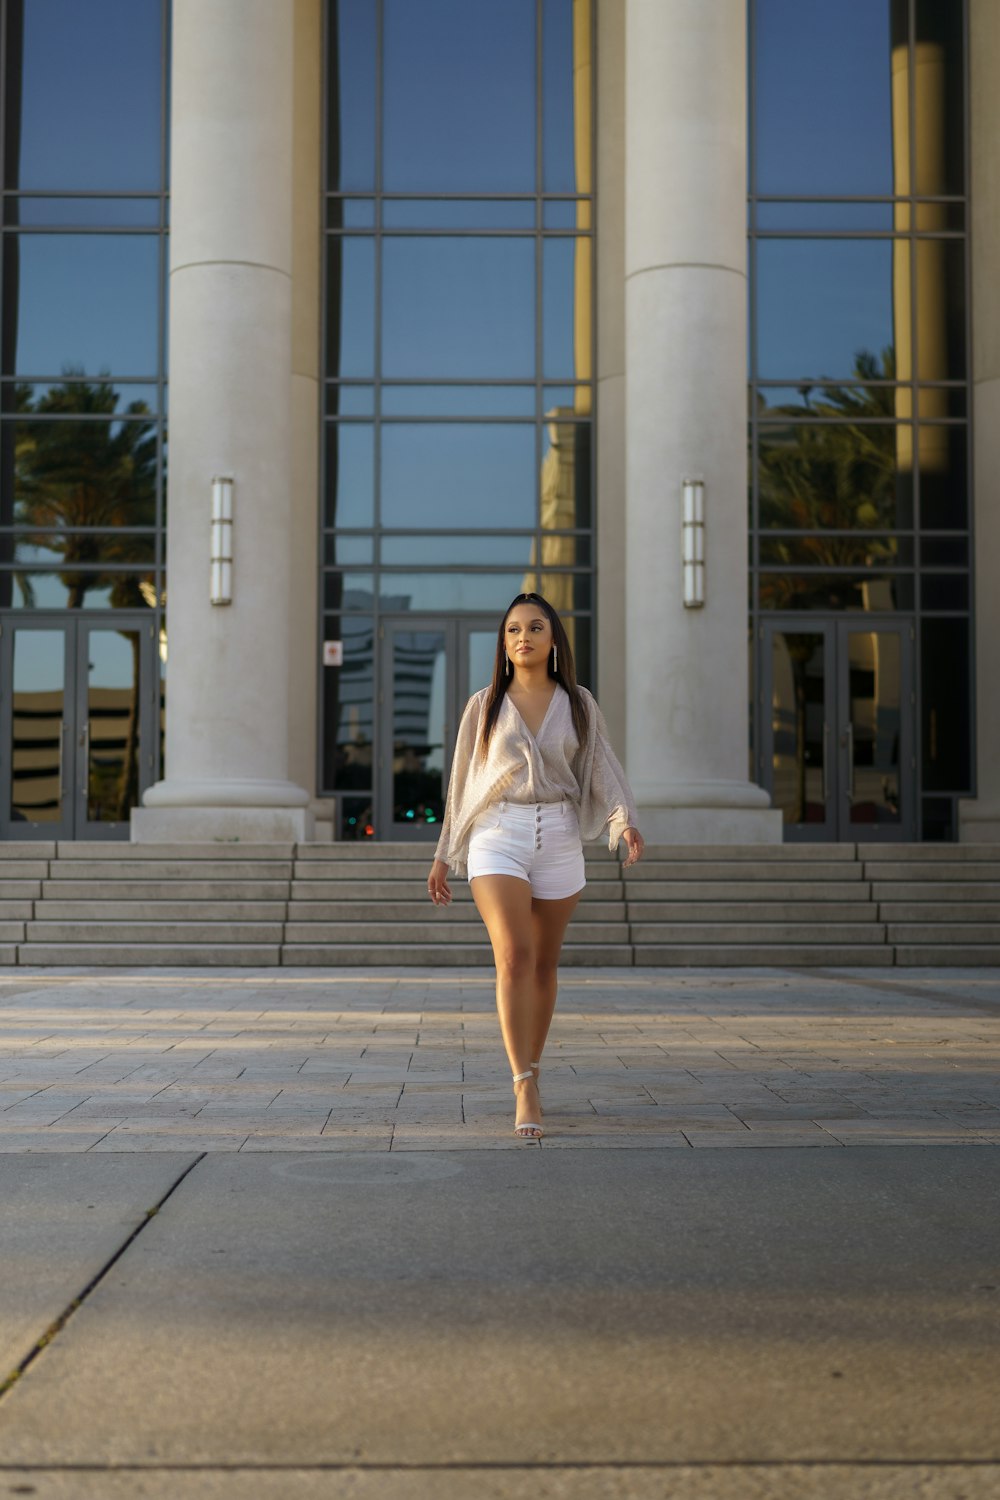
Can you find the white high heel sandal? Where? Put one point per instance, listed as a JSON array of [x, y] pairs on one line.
[[528, 1130]]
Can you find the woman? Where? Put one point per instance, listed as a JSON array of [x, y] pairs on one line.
[[532, 773]]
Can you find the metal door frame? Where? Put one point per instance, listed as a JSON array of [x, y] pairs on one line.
[[75, 629], [458, 690], [837, 827]]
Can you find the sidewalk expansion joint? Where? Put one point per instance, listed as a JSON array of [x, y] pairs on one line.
[[59, 1324]]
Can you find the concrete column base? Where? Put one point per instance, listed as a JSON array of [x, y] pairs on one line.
[[710, 825], [204, 825], [978, 822]]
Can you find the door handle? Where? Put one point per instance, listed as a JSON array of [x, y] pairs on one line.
[[85, 746], [826, 763], [849, 742]]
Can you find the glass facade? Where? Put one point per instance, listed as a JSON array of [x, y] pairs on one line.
[[458, 365], [82, 386], [859, 366]]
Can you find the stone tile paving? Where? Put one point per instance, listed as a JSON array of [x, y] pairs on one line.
[[410, 1060]]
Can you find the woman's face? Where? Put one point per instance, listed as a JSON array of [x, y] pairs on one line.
[[528, 635]]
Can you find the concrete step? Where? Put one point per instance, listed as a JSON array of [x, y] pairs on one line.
[[756, 932], [751, 911], [948, 955], [153, 932], [435, 929], [11, 932], [966, 872], [416, 889], [11, 910], [8, 955], [930, 853], [28, 849], [954, 893], [952, 911], [733, 870], [479, 955], [140, 909], [950, 933], [23, 869], [751, 853], [415, 911], [170, 869], [20, 890], [738, 890], [167, 890], [149, 955], [751, 955], [110, 852]]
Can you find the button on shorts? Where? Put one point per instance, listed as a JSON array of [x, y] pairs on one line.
[[538, 842]]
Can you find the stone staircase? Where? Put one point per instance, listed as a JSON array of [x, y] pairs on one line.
[[334, 905]]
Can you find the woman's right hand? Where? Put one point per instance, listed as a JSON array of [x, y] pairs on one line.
[[437, 884]]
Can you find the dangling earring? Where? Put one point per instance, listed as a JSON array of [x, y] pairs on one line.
[[555, 659], [508, 667]]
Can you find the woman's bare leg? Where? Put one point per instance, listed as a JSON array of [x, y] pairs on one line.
[[504, 903], [549, 920]]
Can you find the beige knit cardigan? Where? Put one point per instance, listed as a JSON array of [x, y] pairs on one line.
[[525, 768]]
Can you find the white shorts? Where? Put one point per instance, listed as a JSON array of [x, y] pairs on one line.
[[538, 842]]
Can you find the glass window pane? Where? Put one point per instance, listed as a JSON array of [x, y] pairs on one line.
[[940, 309], [86, 304], [937, 401], [458, 213], [77, 397], [351, 103], [98, 473], [458, 308], [417, 694], [944, 551], [945, 705], [875, 696], [481, 474], [458, 400], [113, 746], [348, 551], [37, 748], [561, 213], [944, 591], [84, 111], [478, 591], [350, 400], [798, 717], [350, 475], [870, 593], [824, 96], [348, 704], [443, 551], [76, 549], [350, 213], [99, 589], [943, 454], [567, 87], [459, 96], [566, 477], [939, 98], [837, 476], [350, 307], [826, 216], [348, 591], [84, 213], [820, 303], [567, 285], [836, 551]]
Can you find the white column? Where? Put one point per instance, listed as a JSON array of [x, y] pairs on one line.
[[230, 414], [686, 371], [979, 817]]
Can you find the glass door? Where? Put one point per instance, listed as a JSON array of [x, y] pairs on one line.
[[76, 726], [429, 669], [836, 738]]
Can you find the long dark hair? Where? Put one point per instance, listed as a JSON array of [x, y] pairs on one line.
[[564, 673]]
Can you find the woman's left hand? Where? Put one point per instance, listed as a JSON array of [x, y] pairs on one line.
[[636, 843]]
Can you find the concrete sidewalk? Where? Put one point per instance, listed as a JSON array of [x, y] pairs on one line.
[[270, 1235]]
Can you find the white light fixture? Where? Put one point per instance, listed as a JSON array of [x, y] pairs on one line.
[[693, 542], [222, 540]]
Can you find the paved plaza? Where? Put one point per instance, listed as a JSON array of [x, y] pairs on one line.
[[269, 1234]]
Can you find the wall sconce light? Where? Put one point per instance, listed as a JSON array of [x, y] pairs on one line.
[[222, 540], [693, 542]]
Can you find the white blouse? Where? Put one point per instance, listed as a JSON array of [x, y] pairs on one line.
[[525, 768]]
